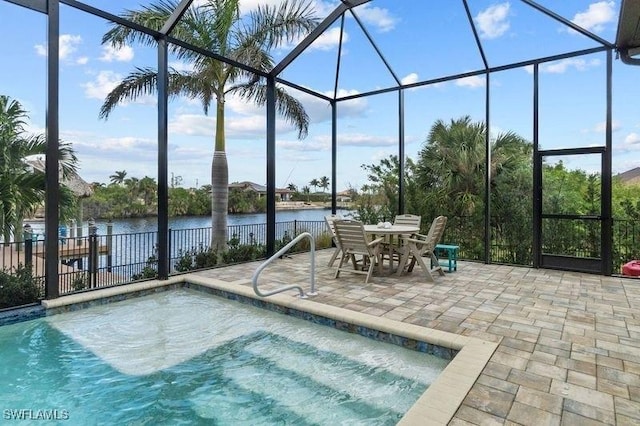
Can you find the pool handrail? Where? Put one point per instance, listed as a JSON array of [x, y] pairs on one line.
[[283, 250]]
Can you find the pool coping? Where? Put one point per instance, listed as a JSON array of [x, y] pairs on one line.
[[436, 406]]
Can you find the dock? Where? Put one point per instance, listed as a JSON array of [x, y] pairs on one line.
[[71, 256]]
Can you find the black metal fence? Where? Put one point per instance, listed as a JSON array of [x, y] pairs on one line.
[[96, 261]]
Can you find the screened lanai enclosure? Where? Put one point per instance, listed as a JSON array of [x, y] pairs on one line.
[[516, 119]]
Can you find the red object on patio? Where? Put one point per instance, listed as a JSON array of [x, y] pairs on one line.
[[631, 268]]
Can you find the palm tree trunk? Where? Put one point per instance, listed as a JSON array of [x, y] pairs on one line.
[[219, 186], [219, 200]]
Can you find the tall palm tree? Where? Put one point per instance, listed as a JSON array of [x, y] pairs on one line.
[[292, 187], [453, 161], [217, 26], [22, 187], [118, 177], [315, 183], [148, 189], [324, 183]]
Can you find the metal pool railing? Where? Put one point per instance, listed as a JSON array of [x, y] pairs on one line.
[[282, 251]]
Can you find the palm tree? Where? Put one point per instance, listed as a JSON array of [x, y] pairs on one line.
[[292, 187], [323, 183], [148, 189], [315, 183], [306, 190], [22, 187], [453, 161], [118, 177], [217, 26]]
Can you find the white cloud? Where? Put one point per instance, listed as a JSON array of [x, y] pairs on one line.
[[329, 39], [318, 143], [323, 142], [410, 79], [377, 16], [181, 66], [473, 82], [236, 127], [596, 16], [355, 139], [633, 139], [192, 125], [68, 44], [104, 83], [83, 60], [128, 143], [563, 65], [493, 21], [122, 54]]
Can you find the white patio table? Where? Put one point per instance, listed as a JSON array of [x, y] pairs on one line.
[[393, 232]]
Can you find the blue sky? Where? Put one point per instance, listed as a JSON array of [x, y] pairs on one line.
[[419, 39]]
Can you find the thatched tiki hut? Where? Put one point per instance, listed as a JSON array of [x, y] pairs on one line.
[[80, 188]]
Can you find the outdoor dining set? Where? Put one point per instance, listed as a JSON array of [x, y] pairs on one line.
[[391, 248]]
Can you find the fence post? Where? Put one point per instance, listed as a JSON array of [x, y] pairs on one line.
[[295, 227], [93, 254], [169, 248], [109, 245], [28, 245]]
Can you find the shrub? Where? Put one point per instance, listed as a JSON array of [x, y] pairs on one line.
[[150, 270], [80, 282], [19, 288], [196, 258], [237, 252]]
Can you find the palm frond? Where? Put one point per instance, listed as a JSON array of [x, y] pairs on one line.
[[153, 16], [141, 82], [290, 108], [271, 26]]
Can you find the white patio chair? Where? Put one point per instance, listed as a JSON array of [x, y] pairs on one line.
[[418, 246], [329, 219], [353, 242]]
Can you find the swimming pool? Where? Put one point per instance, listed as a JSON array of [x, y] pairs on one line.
[[184, 357]]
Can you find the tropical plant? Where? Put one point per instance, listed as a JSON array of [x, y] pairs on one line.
[[292, 187], [22, 187], [315, 183], [323, 183], [451, 166], [118, 177], [18, 287], [148, 189], [219, 27]]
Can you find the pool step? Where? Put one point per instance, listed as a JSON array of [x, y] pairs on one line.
[[279, 380], [376, 386], [283, 391]]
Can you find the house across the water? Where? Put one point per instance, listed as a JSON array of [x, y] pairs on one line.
[[261, 190]]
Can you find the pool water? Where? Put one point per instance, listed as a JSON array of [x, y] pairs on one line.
[[184, 357]]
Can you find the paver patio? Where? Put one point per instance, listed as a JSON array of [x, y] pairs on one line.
[[568, 349]]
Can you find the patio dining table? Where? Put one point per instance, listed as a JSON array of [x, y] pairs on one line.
[[394, 234]]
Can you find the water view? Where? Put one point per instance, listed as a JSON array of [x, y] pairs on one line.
[[150, 224]]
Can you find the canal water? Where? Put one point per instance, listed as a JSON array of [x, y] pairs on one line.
[[133, 241], [150, 224]]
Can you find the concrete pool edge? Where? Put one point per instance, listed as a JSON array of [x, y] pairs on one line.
[[437, 405]]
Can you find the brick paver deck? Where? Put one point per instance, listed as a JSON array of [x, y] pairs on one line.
[[569, 347]]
